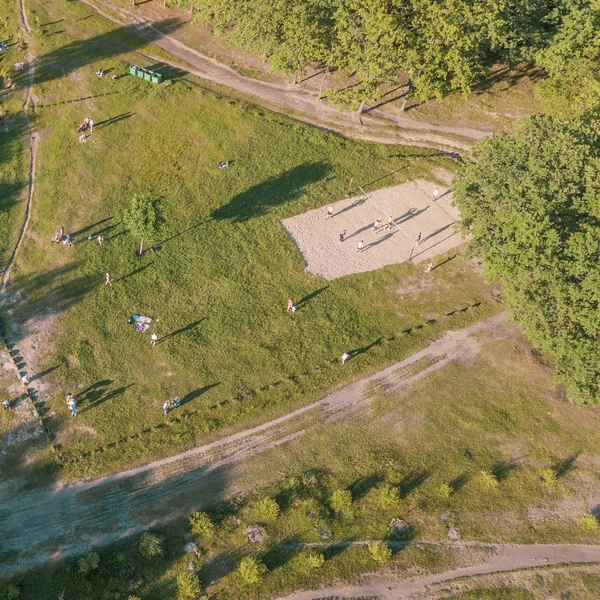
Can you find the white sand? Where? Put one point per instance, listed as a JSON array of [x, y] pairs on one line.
[[413, 209]]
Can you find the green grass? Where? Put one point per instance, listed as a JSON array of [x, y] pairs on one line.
[[219, 284], [442, 429]]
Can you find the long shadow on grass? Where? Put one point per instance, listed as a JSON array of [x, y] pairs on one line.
[[562, 467], [43, 373], [304, 301], [182, 330], [412, 481], [362, 486], [80, 53], [280, 554], [110, 396], [197, 393], [48, 293], [90, 227], [94, 391], [257, 200], [113, 120], [176, 235]]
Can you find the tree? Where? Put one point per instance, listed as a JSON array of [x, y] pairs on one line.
[[188, 586], [261, 510], [532, 205], [88, 563], [201, 524], [143, 218], [150, 545], [250, 571], [341, 503], [379, 552]]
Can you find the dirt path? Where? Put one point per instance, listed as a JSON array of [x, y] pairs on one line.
[[377, 125], [33, 146], [37, 526], [504, 557]]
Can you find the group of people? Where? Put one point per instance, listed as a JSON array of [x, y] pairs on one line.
[[87, 123], [71, 403], [170, 405], [63, 237]]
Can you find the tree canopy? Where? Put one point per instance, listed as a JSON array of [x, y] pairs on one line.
[[532, 205], [439, 45]]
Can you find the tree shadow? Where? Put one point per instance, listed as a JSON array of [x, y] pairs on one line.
[[562, 467], [273, 192], [79, 53], [501, 469], [459, 482], [412, 481], [180, 331], [362, 486], [279, 555], [304, 301], [197, 393]]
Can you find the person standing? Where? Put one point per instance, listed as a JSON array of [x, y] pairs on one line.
[[72, 404], [418, 239], [153, 339], [360, 246], [435, 194], [91, 124], [329, 212], [290, 305], [376, 225], [343, 235], [166, 407], [25, 380], [99, 239], [429, 267], [345, 357], [107, 280], [390, 224]]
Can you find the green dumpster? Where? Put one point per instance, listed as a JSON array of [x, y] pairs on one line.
[[133, 70], [148, 75], [156, 78], [140, 73]]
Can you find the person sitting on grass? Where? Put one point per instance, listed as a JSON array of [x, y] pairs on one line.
[[100, 73]]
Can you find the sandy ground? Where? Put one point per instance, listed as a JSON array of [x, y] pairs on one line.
[[64, 521], [413, 210]]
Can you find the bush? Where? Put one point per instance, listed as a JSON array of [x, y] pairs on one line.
[[88, 563], [12, 592], [188, 586], [386, 496], [341, 503], [487, 481], [444, 491], [250, 571], [589, 523], [304, 563], [150, 545], [263, 510], [201, 524], [133, 598], [380, 553], [549, 477]]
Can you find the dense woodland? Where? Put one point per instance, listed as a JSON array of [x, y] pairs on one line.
[[432, 46]]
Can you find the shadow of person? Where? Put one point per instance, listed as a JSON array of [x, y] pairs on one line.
[[197, 393], [188, 327]]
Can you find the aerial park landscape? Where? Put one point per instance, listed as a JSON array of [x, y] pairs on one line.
[[299, 300]]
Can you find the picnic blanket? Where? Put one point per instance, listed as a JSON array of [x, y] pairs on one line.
[[141, 319]]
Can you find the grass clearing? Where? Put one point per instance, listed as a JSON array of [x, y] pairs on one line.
[[218, 285]]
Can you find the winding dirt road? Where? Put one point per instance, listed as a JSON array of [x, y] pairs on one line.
[[503, 557], [41, 525], [377, 125]]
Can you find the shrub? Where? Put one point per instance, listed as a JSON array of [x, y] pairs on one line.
[[150, 545], [304, 563], [201, 524], [487, 481], [12, 592], [262, 510], [133, 598], [88, 563], [250, 571], [188, 586], [549, 477], [380, 553], [444, 491], [341, 503], [589, 523], [386, 496]]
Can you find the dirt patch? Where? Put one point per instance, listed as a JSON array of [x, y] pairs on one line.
[[413, 210]]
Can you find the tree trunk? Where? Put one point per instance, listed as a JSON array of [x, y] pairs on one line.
[[142, 247], [406, 96], [295, 78], [361, 107], [323, 80], [133, 3]]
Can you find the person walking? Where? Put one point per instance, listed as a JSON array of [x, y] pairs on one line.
[[360, 246], [166, 407], [153, 339], [418, 239], [429, 267], [91, 124], [345, 357], [25, 380], [435, 194], [329, 212], [99, 239], [343, 235], [390, 224], [108, 281], [376, 225]]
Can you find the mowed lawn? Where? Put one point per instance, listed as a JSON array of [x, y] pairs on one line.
[[218, 284]]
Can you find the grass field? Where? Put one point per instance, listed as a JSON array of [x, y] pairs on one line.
[[218, 286], [496, 413]]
